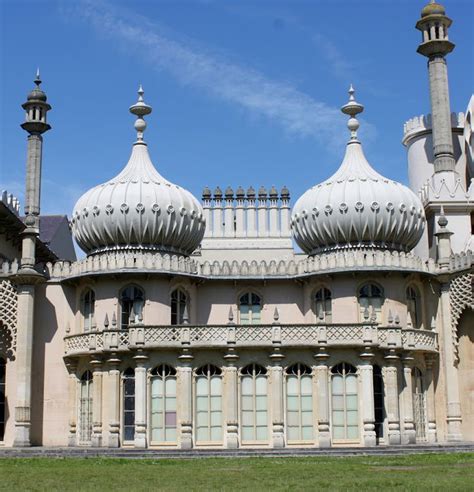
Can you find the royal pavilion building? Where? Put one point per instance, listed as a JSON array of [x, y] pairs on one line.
[[243, 320]]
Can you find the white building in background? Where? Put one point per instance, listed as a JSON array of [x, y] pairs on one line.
[[192, 325]]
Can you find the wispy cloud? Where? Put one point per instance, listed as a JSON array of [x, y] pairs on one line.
[[297, 112], [340, 66]]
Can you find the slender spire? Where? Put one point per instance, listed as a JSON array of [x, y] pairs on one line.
[[352, 108], [140, 109], [38, 78]]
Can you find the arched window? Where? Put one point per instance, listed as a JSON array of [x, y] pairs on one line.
[[379, 408], [131, 304], [253, 403], [3, 367], [250, 308], [370, 301], [419, 404], [209, 404], [85, 409], [88, 309], [129, 405], [323, 305], [163, 404], [179, 301], [414, 306], [299, 403], [344, 400]]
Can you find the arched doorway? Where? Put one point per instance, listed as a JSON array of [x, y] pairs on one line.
[[466, 372]]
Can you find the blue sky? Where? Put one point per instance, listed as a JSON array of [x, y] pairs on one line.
[[243, 92]]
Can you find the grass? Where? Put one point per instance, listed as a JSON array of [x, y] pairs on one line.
[[453, 471]]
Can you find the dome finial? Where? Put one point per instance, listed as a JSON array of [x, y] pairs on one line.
[[352, 108], [140, 109], [38, 78]]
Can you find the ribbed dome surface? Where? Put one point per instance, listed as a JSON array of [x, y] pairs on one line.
[[138, 209], [357, 207]]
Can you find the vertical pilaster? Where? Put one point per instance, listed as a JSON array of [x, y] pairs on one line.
[[140, 400], [239, 213], [231, 400], [73, 401], [185, 372], [430, 399], [217, 230], [322, 380], [367, 403], [229, 213], [408, 433], [114, 401], [97, 403], [278, 440], [262, 213], [390, 374], [251, 213], [285, 213], [273, 213]]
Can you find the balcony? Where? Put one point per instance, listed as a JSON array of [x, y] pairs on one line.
[[246, 336]]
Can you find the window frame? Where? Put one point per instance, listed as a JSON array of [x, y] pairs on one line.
[[182, 305], [323, 302], [417, 319], [370, 305], [137, 312], [88, 292], [254, 317], [88, 379], [128, 375]]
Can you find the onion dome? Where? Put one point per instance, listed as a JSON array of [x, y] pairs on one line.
[[251, 193], [138, 209], [357, 207], [240, 193], [37, 94], [285, 193], [262, 193], [206, 193], [433, 8], [218, 193], [273, 193], [229, 193]]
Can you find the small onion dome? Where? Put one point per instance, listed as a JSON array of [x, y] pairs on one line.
[[218, 193], [251, 193], [357, 207], [229, 193], [138, 209], [37, 94], [285, 193], [262, 193], [206, 193], [433, 8], [273, 193], [240, 193]]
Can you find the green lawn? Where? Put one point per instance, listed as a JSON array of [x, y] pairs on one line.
[[447, 472]]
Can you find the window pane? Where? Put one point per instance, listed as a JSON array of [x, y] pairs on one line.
[[338, 432], [261, 418], [201, 386], [171, 404], [351, 383], [292, 385], [170, 386], [216, 403], [306, 403], [247, 385], [261, 385], [202, 434], [337, 385], [202, 403], [338, 417], [216, 434], [338, 402], [261, 402], [247, 418], [352, 417], [352, 432], [247, 433], [293, 403], [216, 385], [306, 385], [307, 418], [247, 402], [293, 419], [293, 433], [307, 433], [261, 433], [351, 402], [202, 419]]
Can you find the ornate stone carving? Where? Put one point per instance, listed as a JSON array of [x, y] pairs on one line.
[[8, 318], [461, 296]]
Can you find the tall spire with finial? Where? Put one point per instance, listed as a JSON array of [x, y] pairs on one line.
[[140, 109], [352, 108]]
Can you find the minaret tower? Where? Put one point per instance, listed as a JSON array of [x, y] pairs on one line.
[[35, 124], [435, 46]]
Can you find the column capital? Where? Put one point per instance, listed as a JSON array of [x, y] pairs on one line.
[[321, 357], [140, 358], [113, 361]]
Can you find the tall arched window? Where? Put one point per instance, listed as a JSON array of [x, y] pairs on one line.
[[419, 404], [85, 409], [379, 408], [254, 405], [129, 405], [250, 308], [163, 404], [370, 301], [345, 405], [414, 306], [3, 367], [88, 308], [209, 404], [131, 303], [299, 403], [179, 302], [323, 305]]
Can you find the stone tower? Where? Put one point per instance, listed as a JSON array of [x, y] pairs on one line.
[[36, 109]]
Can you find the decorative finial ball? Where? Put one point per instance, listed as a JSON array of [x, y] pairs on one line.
[[442, 221], [140, 125], [353, 124], [433, 8]]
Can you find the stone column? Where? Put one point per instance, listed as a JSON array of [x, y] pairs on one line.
[[73, 401], [453, 414], [430, 399], [185, 399], [140, 399], [114, 401], [392, 403], [231, 400], [408, 433], [367, 403], [322, 379], [278, 440], [97, 403]]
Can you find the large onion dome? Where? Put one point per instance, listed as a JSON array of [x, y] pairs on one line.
[[357, 207], [138, 209]]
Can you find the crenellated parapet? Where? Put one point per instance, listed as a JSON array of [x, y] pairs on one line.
[[423, 124], [11, 202]]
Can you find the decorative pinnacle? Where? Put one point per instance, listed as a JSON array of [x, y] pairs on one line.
[[38, 78], [442, 220], [352, 108], [140, 109]]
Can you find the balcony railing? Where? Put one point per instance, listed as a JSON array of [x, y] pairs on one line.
[[276, 335]]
